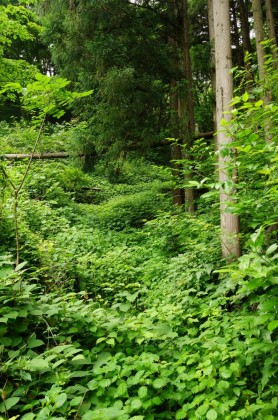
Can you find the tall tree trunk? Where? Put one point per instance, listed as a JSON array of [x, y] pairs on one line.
[[238, 52], [224, 93], [181, 101], [259, 31], [187, 106], [212, 57], [271, 30], [244, 25], [245, 34], [176, 155]]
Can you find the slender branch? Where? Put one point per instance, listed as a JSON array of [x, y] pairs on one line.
[[32, 154], [49, 330], [16, 191], [8, 178]]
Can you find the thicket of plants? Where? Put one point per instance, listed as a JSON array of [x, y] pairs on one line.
[[115, 304], [121, 307]]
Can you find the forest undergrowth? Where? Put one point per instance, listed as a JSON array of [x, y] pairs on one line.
[[121, 307], [114, 302]]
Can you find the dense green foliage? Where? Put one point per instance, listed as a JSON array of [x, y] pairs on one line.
[[126, 310], [115, 304]]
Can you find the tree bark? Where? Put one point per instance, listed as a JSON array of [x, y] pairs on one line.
[[187, 116], [245, 30], [238, 51], [259, 31], [18, 156], [178, 192], [224, 93], [212, 57], [260, 36], [181, 101], [271, 30], [245, 34]]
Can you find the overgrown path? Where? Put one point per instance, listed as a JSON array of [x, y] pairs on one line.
[[125, 311]]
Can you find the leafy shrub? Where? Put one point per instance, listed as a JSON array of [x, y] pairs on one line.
[[128, 211]]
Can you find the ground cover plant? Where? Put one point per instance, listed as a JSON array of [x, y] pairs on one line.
[[116, 299], [132, 321]]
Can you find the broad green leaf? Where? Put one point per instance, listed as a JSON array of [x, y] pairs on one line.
[[181, 414], [136, 404], [4, 320], [33, 342], [271, 249], [110, 413], [20, 266], [122, 389], [211, 414], [79, 359], [156, 400], [36, 365], [104, 383], [93, 384], [60, 399], [225, 373], [143, 392], [245, 97], [124, 307], [28, 416], [272, 325], [76, 401], [159, 382], [100, 340], [111, 342], [8, 404], [201, 411], [12, 315]]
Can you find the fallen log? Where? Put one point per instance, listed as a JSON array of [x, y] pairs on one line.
[[207, 135], [54, 155], [64, 155]]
